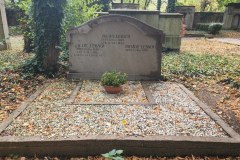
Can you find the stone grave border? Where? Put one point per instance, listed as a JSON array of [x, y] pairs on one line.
[[132, 145]]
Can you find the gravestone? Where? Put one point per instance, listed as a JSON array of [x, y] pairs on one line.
[[115, 42], [188, 12], [231, 17], [4, 33]]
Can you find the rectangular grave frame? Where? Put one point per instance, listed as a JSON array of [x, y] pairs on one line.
[[132, 145]]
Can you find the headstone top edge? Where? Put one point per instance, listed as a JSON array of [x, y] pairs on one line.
[[115, 18]]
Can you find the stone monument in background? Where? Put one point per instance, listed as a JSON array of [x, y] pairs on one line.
[[188, 12], [231, 17], [4, 33]]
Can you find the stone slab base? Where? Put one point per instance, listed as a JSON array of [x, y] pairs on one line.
[[138, 146]]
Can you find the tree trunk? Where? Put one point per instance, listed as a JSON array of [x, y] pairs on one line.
[[171, 6], [159, 3], [47, 18], [28, 44], [51, 59]]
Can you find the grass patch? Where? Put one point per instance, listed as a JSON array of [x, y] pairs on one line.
[[15, 30], [11, 60], [202, 65]]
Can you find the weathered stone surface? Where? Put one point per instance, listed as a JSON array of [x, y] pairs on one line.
[[4, 33], [231, 17], [115, 42], [188, 12]]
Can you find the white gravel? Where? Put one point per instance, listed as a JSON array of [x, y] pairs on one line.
[[176, 114], [93, 92]]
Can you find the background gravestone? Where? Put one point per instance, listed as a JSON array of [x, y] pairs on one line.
[[231, 18], [115, 42], [4, 33], [188, 12]]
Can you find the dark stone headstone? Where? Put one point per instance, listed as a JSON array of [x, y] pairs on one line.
[[115, 42]]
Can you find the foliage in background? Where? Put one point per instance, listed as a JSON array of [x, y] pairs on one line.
[[114, 154], [105, 5], [223, 3], [202, 26], [143, 4], [194, 65], [214, 28], [15, 31], [21, 10], [47, 20], [207, 5], [75, 13], [26, 24]]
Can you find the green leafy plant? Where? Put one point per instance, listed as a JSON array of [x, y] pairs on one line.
[[113, 78], [202, 26], [205, 66], [114, 154], [47, 20], [75, 13], [214, 28]]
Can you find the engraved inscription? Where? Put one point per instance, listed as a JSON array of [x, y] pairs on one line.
[[108, 40]]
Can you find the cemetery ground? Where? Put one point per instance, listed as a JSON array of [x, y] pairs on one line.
[[208, 68]]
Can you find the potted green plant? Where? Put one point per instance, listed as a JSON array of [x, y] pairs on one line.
[[112, 81]]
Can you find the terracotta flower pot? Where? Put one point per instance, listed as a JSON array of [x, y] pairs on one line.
[[113, 89]]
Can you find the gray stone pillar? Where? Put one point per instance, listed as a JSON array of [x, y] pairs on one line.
[[4, 32], [169, 23], [231, 17], [188, 12]]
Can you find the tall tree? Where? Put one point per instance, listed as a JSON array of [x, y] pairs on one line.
[[47, 18], [146, 4], [171, 6], [105, 4], [204, 4], [222, 3], [159, 3]]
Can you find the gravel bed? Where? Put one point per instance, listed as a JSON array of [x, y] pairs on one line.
[[183, 114], [93, 92], [175, 115]]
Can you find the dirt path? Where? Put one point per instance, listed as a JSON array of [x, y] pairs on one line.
[[204, 46]]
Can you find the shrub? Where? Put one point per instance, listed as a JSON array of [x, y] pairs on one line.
[[113, 78], [202, 26], [214, 28], [76, 12]]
